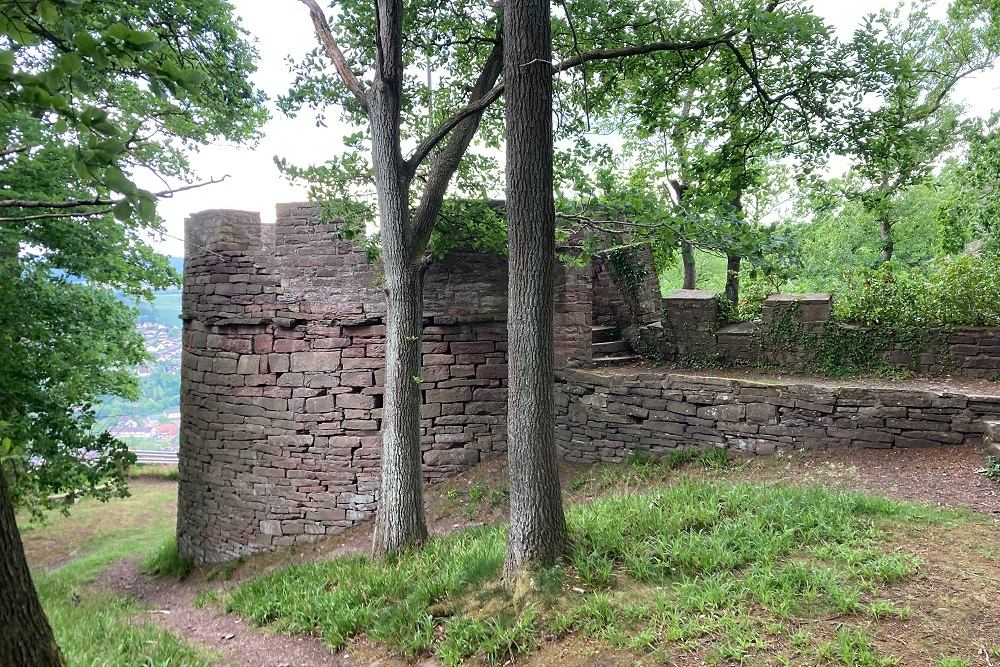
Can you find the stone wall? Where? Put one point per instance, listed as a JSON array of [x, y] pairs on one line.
[[693, 323], [282, 370], [605, 414]]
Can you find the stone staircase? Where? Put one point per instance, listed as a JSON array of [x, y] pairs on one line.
[[609, 348]]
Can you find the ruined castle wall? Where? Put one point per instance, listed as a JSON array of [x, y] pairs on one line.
[[283, 366], [604, 415]]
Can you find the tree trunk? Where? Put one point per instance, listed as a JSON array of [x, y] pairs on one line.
[[733, 260], [400, 522], [537, 524], [26, 639], [687, 258], [888, 245], [733, 279]]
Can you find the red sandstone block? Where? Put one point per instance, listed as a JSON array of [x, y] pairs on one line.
[[452, 408], [363, 362], [434, 373], [263, 343], [438, 359], [290, 345], [315, 361], [473, 347], [463, 371], [491, 371], [356, 378]]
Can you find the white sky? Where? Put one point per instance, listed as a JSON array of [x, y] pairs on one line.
[[282, 28]]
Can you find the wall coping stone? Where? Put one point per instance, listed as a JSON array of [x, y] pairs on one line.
[[690, 295]]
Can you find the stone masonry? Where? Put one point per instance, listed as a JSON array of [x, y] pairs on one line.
[[283, 365], [282, 371], [605, 414]]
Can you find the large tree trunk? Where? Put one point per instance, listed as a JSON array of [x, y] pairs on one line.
[[687, 258], [26, 639], [537, 524]]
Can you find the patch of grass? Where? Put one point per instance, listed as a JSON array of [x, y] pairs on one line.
[[696, 565], [97, 627], [225, 571], [206, 597], [166, 562], [953, 662], [92, 525], [148, 471], [854, 648]]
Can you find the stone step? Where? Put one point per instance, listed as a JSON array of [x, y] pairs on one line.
[[610, 347], [617, 360], [604, 334], [991, 437]]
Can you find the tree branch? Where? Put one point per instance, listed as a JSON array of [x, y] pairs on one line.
[[94, 201], [446, 162], [333, 52], [486, 100], [13, 150]]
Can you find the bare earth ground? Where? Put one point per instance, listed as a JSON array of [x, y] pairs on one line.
[[955, 601]]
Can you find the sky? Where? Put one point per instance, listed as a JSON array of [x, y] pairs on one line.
[[282, 28]]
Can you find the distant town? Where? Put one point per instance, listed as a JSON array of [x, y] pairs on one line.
[[153, 421]]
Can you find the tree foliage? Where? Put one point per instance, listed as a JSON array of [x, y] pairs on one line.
[[94, 94]]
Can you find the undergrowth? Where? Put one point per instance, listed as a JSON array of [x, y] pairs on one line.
[[719, 568]]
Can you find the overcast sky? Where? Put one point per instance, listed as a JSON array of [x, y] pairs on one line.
[[282, 28]]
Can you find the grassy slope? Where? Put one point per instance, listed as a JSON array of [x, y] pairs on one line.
[[95, 627], [697, 569]]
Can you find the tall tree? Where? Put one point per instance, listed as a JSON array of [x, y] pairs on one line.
[[910, 64], [92, 93], [464, 43], [537, 524]]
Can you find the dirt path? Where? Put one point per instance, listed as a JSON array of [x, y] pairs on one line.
[[171, 607], [937, 476]]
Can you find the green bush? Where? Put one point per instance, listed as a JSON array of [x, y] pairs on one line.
[[952, 291]]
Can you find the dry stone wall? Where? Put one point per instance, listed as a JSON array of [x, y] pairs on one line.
[[284, 359], [282, 373], [605, 414]]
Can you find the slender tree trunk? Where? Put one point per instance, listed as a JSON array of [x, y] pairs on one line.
[[733, 278], [687, 248], [687, 258], [888, 245], [400, 521], [26, 639], [537, 524], [733, 260]]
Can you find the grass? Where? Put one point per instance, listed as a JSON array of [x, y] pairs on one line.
[[723, 569], [154, 471], [96, 627], [166, 561]]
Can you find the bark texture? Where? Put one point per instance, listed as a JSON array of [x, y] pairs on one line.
[[733, 263], [537, 523], [26, 639], [888, 244], [687, 258], [400, 521]]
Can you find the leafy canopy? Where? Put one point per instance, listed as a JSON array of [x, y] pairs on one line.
[[93, 93]]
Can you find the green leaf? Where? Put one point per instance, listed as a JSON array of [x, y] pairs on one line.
[[122, 211]]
